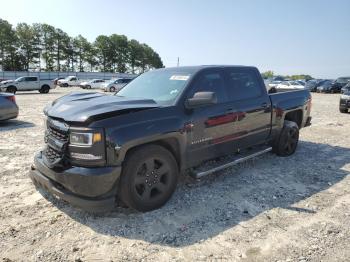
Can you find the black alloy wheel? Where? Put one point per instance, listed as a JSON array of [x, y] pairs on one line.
[[288, 139], [149, 178]]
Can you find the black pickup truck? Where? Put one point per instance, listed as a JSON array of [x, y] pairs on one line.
[[131, 147]]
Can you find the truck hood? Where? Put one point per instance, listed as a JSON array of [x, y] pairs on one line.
[[86, 107], [7, 82]]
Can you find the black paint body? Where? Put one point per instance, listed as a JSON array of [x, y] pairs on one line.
[[192, 135]]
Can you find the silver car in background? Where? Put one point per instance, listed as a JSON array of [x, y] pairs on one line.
[[116, 84], [8, 106]]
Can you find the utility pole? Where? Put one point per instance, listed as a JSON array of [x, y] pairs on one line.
[[178, 61]]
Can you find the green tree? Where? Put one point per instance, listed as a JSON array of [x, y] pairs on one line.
[[7, 48], [135, 54], [267, 74], [48, 38], [119, 48], [82, 48], [104, 52], [28, 44], [91, 58]]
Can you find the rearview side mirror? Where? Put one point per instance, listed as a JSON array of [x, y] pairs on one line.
[[201, 99]]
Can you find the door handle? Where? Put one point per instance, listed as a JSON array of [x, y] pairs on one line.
[[264, 105]]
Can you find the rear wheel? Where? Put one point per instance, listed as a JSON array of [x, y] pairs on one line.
[[287, 142], [11, 89], [149, 178]]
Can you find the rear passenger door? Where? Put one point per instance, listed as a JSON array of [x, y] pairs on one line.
[[248, 94]]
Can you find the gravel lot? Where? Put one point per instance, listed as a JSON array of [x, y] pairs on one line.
[[268, 209]]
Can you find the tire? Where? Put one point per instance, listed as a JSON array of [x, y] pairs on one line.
[[342, 110], [65, 85], [287, 142], [11, 89], [88, 87], [112, 89], [44, 89], [149, 178]]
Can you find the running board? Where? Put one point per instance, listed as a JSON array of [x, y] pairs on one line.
[[229, 164]]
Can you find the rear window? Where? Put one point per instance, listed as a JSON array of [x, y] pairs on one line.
[[243, 84]]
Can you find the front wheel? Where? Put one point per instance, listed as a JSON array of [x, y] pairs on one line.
[[112, 89], [149, 178], [11, 89], [287, 142]]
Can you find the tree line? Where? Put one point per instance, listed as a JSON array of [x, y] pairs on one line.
[[46, 48], [270, 74]]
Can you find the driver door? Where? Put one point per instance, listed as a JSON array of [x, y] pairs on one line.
[[211, 126]]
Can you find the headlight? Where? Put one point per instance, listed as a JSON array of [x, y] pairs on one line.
[[84, 139]]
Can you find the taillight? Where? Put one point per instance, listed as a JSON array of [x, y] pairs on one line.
[[309, 103], [11, 98]]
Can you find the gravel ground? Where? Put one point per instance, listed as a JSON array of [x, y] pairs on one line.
[[268, 209]]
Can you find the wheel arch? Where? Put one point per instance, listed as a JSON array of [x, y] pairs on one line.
[[295, 116], [170, 143]]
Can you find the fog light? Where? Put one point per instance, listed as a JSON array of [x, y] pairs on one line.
[[85, 156]]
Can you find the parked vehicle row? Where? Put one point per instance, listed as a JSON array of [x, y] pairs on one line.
[[30, 83], [315, 85]]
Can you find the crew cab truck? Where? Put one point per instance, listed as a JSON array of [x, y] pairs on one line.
[[130, 147], [27, 83], [68, 81]]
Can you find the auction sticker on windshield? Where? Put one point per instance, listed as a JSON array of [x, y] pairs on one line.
[[179, 77]]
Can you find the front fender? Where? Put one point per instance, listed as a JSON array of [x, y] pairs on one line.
[[121, 139]]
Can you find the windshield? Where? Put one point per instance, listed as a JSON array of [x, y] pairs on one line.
[[343, 80], [163, 86], [327, 83], [19, 79], [112, 80]]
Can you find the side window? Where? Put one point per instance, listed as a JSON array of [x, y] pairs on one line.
[[210, 82], [73, 79], [243, 84]]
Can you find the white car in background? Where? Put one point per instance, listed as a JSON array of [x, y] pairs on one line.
[[68, 81], [115, 85], [27, 83], [289, 86], [274, 84], [94, 83]]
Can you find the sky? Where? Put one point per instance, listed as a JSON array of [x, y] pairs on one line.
[[287, 37]]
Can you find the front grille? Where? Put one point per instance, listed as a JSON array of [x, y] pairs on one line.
[[52, 155], [57, 134], [56, 139]]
